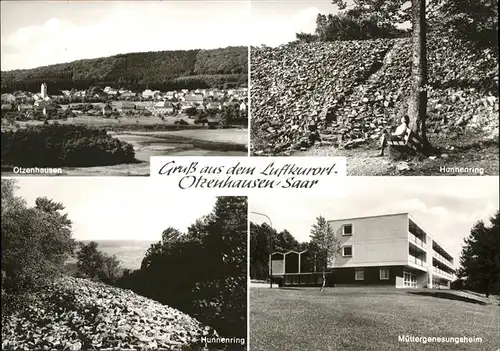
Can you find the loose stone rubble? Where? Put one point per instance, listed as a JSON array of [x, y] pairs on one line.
[[79, 314], [346, 93]]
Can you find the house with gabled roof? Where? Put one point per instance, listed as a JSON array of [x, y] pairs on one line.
[[162, 108], [194, 98]]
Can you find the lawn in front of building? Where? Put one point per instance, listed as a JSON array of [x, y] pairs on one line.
[[304, 319]]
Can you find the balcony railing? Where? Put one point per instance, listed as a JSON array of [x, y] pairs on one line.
[[416, 260], [413, 239], [444, 273], [442, 259]]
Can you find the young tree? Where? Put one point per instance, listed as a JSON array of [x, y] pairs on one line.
[[111, 268], [479, 261], [324, 244], [94, 264], [169, 238], [388, 12], [89, 260]]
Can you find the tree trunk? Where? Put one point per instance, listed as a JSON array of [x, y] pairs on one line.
[[417, 105]]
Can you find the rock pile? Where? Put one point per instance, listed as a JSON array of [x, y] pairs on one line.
[[344, 93], [78, 314]]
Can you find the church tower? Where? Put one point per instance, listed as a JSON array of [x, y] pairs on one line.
[[43, 91]]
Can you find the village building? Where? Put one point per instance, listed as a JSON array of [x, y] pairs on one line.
[[231, 104], [24, 107], [162, 108], [194, 98], [127, 95], [185, 106], [387, 250], [126, 106], [171, 95], [107, 110], [146, 94], [8, 98], [214, 106]]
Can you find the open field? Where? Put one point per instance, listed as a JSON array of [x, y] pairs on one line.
[[365, 319], [95, 121], [162, 138], [239, 136]]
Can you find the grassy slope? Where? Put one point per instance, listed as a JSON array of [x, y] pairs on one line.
[[364, 319]]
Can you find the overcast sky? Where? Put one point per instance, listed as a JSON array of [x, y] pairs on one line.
[[275, 22], [447, 207], [38, 33], [128, 208]]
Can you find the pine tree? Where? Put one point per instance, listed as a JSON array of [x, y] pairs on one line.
[[479, 261]]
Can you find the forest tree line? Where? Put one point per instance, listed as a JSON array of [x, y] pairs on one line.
[[163, 70]]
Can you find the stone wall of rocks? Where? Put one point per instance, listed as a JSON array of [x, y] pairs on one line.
[[343, 93]]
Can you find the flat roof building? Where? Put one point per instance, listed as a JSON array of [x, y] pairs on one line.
[[389, 250], [386, 250]]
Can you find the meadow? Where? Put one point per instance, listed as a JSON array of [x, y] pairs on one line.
[[365, 319]]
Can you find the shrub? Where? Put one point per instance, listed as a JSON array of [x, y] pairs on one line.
[[95, 264], [181, 122], [36, 242], [63, 145], [200, 121]]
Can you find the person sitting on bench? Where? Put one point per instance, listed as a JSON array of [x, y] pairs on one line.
[[397, 135]]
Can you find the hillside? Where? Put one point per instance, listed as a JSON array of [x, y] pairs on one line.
[[78, 314], [345, 91], [158, 70]]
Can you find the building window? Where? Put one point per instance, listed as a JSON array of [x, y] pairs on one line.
[[384, 273], [347, 229], [410, 279], [359, 274], [347, 251]]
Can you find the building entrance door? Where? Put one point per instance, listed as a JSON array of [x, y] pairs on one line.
[[410, 279]]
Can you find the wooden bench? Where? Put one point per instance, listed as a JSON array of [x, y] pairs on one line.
[[409, 143], [403, 141]]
